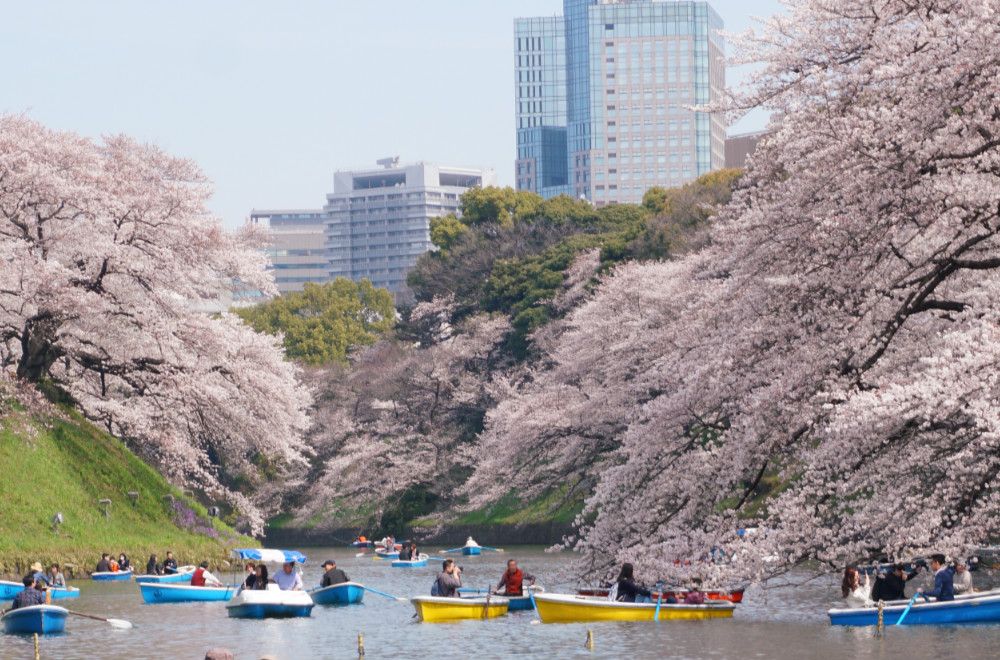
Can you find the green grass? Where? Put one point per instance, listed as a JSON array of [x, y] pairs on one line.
[[509, 510], [65, 464]]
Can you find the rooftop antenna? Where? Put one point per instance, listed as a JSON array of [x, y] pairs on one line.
[[388, 163]]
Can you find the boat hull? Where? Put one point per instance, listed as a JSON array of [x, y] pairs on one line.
[[569, 608], [381, 554], [983, 608], [155, 593], [362, 544], [410, 563], [346, 593], [435, 609], [520, 603], [10, 589], [183, 575], [270, 603], [36, 619], [472, 551], [117, 576]]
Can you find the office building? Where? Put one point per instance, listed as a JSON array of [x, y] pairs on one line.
[[740, 146], [374, 226], [619, 77]]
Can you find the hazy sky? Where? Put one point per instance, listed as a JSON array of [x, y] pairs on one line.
[[271, 97]]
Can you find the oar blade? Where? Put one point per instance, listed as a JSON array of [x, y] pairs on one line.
[[121, 624]]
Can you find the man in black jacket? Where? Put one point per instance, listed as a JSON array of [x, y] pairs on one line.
[[333, 575], [892, 586]]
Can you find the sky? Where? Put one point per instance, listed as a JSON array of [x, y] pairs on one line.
[[270, 98]]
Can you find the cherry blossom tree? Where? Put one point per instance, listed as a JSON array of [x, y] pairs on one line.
[[826, 370], [106, 253]]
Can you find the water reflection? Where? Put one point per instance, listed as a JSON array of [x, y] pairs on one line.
[[779, 622]]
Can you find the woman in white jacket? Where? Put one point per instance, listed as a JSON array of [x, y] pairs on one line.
[[855, 592]]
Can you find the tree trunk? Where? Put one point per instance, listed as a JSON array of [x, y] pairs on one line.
[[38, 349]]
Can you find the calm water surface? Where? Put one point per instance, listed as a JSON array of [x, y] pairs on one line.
[[781, 622]]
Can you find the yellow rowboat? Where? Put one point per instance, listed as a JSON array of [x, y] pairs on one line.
[[434, 609], [570, 608]]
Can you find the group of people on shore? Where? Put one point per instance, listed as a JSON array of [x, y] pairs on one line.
[[949, 581]]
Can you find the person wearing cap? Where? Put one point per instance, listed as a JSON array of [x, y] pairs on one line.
[[288, 578], [962, 581], [38, 573], [333, 575]]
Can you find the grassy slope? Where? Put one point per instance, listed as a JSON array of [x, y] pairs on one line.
[[66, 464]]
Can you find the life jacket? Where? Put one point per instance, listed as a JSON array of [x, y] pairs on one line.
[[113, 565], [514, 582], [198, 579]]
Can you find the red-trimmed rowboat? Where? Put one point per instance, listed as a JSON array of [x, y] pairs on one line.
[[735, 596]]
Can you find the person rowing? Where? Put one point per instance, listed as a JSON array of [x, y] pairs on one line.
[[513, 579], [944, 581], [333, 575], [626, 589], [202, 578]]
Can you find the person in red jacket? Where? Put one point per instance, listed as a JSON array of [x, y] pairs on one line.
[[202, 578], [513, 579]]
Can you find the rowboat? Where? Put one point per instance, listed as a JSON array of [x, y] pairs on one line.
[[361, 544], [345, 593], [40, 619], [569, 608], [183, 574], [112, 576], [155, 593], [10, 589], [735, 596], [435, 609], [472, 550], [269, 603], [410, 563], [982, 607], [385, 554]]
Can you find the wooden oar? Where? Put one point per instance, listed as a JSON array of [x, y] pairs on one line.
[[902, 616], [385, 595], [115, 623]]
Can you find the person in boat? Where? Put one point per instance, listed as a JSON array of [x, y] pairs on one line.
[[153, 567], [513, 579], [258, 580], [332, 574], [251, 571], [695, 596], [288, 578], [38, 572], [944, 582], [892, 586], [406, 553], [449, 580], [104, 566], [29, 595], [962, 579], [113, 565], [626, 589], [853, 590], [55, 578], [169, 563], [124, 563], [202, 578]]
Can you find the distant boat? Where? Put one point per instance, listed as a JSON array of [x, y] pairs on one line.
[[10, 589], [981, 607], [435, 609], [155, 593], [270, 603], [410, 563], [361, 544], [384, 554], [112, 576], [35, 619], [571, 608], [734, 596], [183, 574], [345, 593]]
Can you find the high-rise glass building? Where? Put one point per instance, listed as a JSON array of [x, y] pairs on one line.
[[613, 81], [374, 226]]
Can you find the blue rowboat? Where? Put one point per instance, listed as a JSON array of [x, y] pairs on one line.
[[40, 619], [10, 589], [345, 593], [382, 554], [361, 544], [981, 607], [183, 574], [109, 576], [269, 603], [472, 550], [410, 563], [155, 593]]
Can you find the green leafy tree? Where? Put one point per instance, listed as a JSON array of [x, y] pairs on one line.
[[447, 231], [324, 322], [498, 206]]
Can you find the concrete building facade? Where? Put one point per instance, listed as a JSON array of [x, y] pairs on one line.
[[630, 70], [374, 225]]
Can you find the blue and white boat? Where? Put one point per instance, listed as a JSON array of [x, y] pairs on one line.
[[472, 550], [385, 554], [40, 619], [112, 576], [10, 589], [345, 593], [183, 574], [271, 602], [410, 563], [982, 607], [155, 593]]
